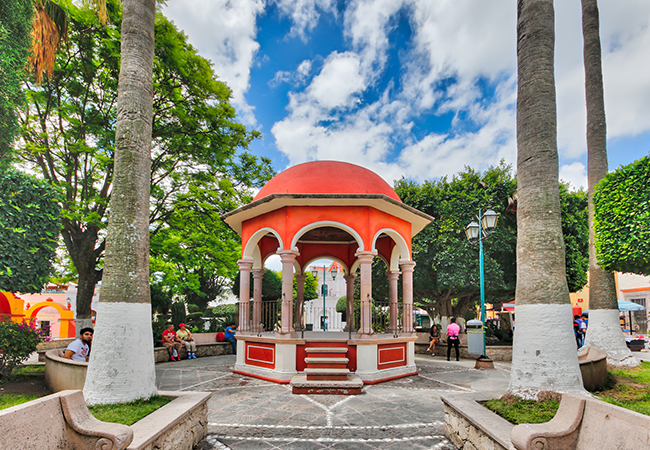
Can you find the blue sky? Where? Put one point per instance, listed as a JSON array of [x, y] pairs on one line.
[[413, 88]]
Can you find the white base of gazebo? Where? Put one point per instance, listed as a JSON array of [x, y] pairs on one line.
[[373, 358]]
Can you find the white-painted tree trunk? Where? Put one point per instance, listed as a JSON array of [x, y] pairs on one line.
[[604, 332], [83, 323], [544, 354], [121, 367]]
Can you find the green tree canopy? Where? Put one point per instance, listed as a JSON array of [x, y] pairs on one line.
[[69, 132], [447, 275], [15, 41], [29, 231], [621, 218]]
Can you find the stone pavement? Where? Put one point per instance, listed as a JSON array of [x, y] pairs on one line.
[[247, 413]]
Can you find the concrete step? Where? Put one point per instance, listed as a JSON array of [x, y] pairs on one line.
[[326, 371], [324, 374], [320, 360], [326, 349], [352, 385]]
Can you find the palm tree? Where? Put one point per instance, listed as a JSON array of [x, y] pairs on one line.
[[604, 330], [544, 354], [121, 365], [48, 28]]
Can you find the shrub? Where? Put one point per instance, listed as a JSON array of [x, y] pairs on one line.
[[17, 342]]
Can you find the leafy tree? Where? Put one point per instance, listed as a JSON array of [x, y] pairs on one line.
[[178, 313], [447, 278], [447, 275], [69, 136], [29, 231], [15, 40], [311, 287], [621, 217], [161, 298]]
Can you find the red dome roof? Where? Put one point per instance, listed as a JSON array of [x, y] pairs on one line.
[[327, 177]]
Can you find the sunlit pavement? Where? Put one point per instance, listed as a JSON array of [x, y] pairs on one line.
[[247, 413]]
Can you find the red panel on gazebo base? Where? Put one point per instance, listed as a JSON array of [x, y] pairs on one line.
[[261, 355], [391, 355]]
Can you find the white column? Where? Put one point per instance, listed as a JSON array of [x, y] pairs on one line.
[[245, 267], [287, 257], [257, 300], [300, 300], [407, 292], [365, 260], [393, 310]]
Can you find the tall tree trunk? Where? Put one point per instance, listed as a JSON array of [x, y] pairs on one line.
[[84, 252], [604, 329], [544, 354], [121, 365]]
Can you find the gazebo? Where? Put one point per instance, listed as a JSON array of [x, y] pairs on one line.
[[338, 211]]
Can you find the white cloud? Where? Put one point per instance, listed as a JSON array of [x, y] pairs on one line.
[[224, 32], [459, 49], [575, 173], [304, 14]]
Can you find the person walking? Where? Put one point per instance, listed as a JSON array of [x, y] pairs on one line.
[[434, 338], [453, 339]]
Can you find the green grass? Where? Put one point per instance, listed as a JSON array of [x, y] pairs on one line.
[[9, 400], [627, 388], [524, 411], [632, 391], [639, 374], [29, 370], [128, 413]]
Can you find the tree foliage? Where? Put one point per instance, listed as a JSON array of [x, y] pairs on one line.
[[29, 231], [15, 40], [69, 132], [447, 277], [622, 215]]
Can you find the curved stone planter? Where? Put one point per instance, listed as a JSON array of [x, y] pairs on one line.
[[62, 374]]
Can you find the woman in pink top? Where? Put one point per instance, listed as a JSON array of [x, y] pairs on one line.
[[453, 329]]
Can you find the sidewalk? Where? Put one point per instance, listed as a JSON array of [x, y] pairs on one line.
[[247, 413]]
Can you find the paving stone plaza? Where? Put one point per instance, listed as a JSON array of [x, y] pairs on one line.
[[406, 413]]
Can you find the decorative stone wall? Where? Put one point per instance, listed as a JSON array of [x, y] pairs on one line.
[[496, 352], [465, 436], [471, 426], [214, 349], [179, 425]]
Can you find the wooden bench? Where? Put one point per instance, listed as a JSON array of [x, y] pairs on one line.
[[584, 423], [63, 421]]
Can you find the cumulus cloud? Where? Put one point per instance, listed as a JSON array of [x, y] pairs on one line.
[[460, 61], [575, 174], [304, 14], [224, 32]]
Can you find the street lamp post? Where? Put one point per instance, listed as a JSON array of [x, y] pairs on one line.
[[314, 273], [476, 232]]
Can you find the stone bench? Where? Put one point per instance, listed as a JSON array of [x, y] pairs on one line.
[[584, 423], [204, 347], [62, 421], [62, 373]]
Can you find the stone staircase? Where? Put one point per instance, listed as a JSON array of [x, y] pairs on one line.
[[326, 373]]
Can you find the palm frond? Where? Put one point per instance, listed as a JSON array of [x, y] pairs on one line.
[[45, 36], [58, 16]]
